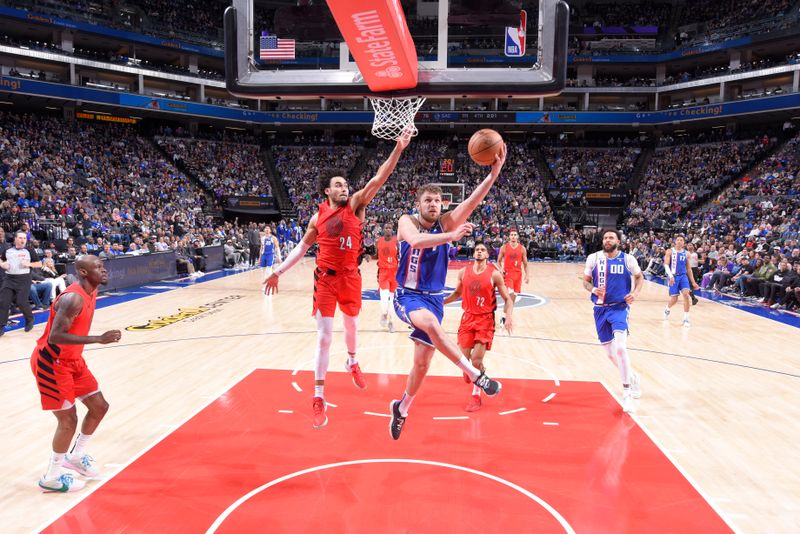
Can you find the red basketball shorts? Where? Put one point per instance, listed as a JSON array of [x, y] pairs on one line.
[[513, 281], [60, 382], [331, 288], [387, 279], [476, 329]]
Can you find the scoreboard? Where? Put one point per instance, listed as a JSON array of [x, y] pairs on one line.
[[447, 168]]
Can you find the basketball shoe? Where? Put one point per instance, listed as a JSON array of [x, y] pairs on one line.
[[62, 484], [474, 404], [397, 422], [356, 374], [83, 464], [628, 405], [384, 320], [391, 326], [489, 386], [686, 323], [666, 313], [320, 407]]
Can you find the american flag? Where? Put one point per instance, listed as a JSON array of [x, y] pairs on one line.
[[274, 48]]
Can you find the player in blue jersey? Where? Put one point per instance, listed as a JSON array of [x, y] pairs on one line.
[[607, 277], [679, 275], [270, 251], [424, 254]]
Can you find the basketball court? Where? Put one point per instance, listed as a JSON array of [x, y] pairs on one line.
[[210, 422]]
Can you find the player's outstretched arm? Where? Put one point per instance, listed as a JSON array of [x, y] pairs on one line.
[[456, 294], [407, 231], [297, 253], [462, 212], [365, 195], [508, 307], [67, 309]]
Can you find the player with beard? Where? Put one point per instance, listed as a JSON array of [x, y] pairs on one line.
[[336, 227], [424, 246], [607, 276], [476, 287], [62, 375]]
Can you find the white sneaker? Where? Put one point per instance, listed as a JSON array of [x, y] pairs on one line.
[[636, 386], [776, 306], [62, 484], [83, 464], [762, 299], [686, 323], [666, 314], [391, 327], [383, 320], [628, 405]]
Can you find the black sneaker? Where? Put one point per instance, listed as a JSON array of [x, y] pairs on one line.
[[28, 326], [397, 422], [694, 300], [489, 386]]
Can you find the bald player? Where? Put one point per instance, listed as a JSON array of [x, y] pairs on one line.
[[62, 376]]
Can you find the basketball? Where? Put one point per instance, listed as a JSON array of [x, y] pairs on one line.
[[484, 145]]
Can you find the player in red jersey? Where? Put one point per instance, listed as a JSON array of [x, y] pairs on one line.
[[513, 260], [62, 376], [387, 273], [476, 287], [336, 227]]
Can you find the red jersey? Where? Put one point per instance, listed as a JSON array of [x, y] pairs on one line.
[[387, 254], [512, 258], [477, 295], [80, 325], [339, 238]]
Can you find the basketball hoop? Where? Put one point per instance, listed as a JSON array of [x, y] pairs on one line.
[[394, 117], [446, 204]]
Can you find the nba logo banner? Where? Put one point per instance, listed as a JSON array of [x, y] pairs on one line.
[[515, 37]]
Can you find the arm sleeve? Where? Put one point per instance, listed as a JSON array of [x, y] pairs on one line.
[[294, 256], [633, 265], [591, 262]]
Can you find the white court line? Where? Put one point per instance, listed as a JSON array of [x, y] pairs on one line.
[[549, 397], [678, 466], [548, 423], [376, 414], [332, 405], [285, 411], [512, 411], [88, 491], [454, 418], [232, 508], [296, 386]]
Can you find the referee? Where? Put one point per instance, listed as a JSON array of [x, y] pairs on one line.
[[17, 263]]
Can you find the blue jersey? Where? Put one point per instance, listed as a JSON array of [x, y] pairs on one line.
[[678, 262], [269, 247], [612, 273], [423, 269]]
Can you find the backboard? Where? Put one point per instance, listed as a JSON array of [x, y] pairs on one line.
[[459, 45]]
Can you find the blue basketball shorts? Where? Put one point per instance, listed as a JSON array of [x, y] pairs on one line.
[[407, 301], [681, 283], [610, 319], [266, 260]]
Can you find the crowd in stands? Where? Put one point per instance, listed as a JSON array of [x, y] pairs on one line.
[[716, 14], [680, 176], [591, 168], [628, 14], [224, 168]]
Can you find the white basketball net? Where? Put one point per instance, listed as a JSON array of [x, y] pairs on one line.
[[394, 117]]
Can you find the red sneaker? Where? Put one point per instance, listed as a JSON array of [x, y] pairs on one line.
[[474, 404], [358, 377], [467, 378], [319, 407]]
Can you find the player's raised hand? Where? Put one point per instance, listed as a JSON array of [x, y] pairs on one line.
[[271, 284], [112, 336], [462, 230], [499, 160], [405, 138]]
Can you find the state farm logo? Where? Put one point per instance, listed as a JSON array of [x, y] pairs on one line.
[[375, 44], [391, 72], [184, 314]]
